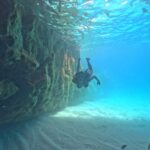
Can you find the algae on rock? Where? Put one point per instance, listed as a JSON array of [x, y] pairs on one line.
[[36, 63]]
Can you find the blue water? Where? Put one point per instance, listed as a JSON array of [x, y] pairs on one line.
[[123, 68], [118, 42], [116, 36]]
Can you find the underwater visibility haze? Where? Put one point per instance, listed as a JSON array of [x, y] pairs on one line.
[[116, 38], [40, 43]]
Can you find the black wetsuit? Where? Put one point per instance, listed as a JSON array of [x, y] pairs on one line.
[[82, 78]]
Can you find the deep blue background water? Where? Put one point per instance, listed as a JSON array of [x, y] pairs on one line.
[[123, 67], [118, 45]]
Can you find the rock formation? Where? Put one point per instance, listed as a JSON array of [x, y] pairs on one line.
[[36, 62]]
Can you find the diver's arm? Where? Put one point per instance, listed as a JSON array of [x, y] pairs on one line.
[[94, 77]]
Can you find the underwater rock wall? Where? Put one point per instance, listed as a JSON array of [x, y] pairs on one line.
[[36, 64]]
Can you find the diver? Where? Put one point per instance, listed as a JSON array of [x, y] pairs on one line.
[[82, 78]]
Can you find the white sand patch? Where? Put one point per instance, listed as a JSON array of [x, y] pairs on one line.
[[49, 133], [119, 108], [90, 126]]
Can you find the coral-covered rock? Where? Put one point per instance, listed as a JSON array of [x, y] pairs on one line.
[[36, 63]]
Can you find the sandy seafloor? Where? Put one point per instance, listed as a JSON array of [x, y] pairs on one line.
[[95, 125]]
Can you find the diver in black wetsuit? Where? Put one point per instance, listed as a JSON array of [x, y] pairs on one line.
[[82, 78]]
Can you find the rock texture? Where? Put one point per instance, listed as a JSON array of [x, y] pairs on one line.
[[36, 63]]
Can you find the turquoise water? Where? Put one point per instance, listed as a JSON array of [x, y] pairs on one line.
[[115, 34], [117, 41]]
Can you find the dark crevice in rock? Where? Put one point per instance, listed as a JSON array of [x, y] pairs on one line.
[[6, 7]]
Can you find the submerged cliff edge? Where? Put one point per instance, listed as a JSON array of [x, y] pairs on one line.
[[36, 62]]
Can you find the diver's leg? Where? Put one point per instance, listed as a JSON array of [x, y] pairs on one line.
[[89, 64], [78, 65]]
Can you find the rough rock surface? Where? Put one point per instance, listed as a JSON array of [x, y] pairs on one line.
[[36, 64]]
